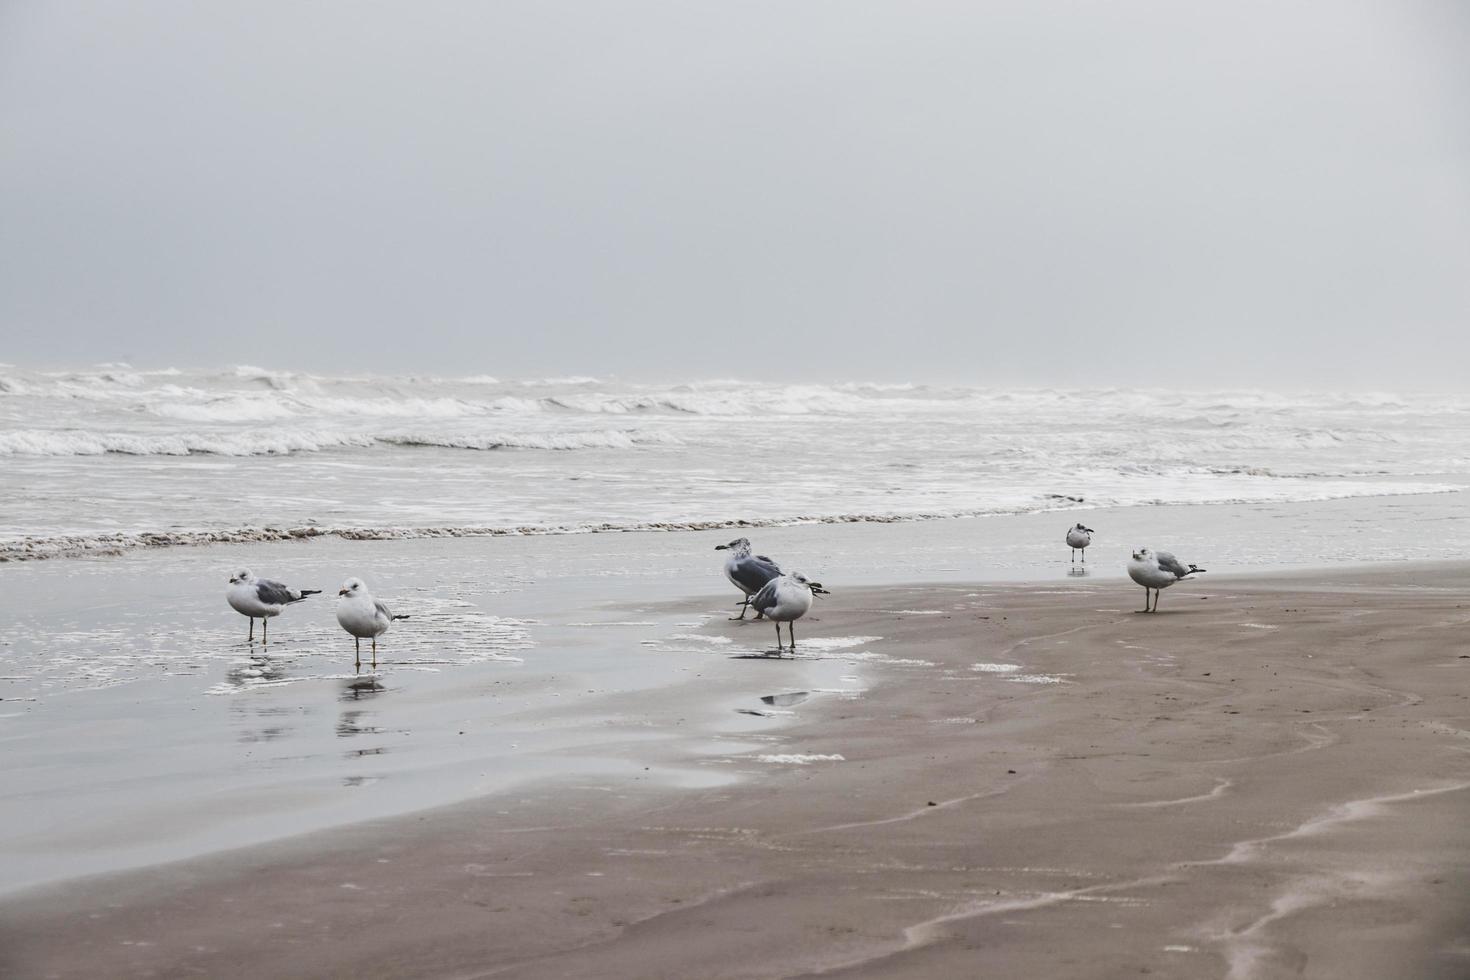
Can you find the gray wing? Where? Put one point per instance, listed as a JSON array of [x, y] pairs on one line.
[[765, 598], [754, 571], [274, 593], [1171, 564], [382, 609]]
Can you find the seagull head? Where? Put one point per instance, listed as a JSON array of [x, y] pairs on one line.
[[739, 546], [816, 587], [1142, 554], [1085, 529], [353, 586], [242, 576]]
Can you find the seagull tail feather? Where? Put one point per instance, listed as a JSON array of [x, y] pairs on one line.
[[404, 616], [307, 592]]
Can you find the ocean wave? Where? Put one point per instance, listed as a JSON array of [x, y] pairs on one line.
[[68, 546], [34, 442], [256, 408], [572, 379], [279, 380], [557, 441], [275, 442], [373, 394]]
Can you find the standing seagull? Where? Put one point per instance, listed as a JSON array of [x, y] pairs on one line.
[[260, 598], [1078, 538], [1157, 571], [785, 599], [363, 616], [748, 573]]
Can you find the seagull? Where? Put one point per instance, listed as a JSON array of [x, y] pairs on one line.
[[363, 616], [749, 573], [785, 599], [261, 598], [1157, 570], [1078, 538]]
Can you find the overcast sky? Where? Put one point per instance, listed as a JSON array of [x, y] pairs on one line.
[[1255, 193]]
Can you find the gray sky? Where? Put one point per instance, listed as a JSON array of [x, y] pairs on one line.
[[1026, 192]]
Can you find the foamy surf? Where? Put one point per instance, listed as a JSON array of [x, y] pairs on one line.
[[255, 453]]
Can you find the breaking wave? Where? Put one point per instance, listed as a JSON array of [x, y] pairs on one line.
[[74, 545], [89, 451], [273, 442]]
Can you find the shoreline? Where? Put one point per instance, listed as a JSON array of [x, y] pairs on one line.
[[1260, 748], [507, 635], [73, 545]]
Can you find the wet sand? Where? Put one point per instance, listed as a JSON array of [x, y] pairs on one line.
[[1268, 778]]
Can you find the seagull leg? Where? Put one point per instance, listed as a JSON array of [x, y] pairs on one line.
[[251, 637], [791, 628], [1074, 555], [743, 606], [265, 629], [375, 653], [778, 640], [358, 641], [1157, 593], [1145, 598], [1084, 556]]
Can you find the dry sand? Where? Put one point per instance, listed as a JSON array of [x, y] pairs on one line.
[[1262, 780]]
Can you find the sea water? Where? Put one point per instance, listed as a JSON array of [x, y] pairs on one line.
[[112, 457]]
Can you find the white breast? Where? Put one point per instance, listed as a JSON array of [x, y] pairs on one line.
[[1078, 539], [1150, 575], [730, 561], [358, 615]]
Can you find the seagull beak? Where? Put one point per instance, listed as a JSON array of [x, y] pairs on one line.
[[722, 547], [341, 591], [817, 589]]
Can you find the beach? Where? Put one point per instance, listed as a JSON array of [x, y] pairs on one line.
[[568, 761], [651, 492], [1015, 778]]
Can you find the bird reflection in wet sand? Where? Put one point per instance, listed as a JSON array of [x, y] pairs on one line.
[[361, 687], [260, 667], [351, 723], [271, 722]]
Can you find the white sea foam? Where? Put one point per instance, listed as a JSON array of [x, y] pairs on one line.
[[592, 452], [35, 442], [597, 439], [275, 441], [798, 759], [829, 643], [866, 656]]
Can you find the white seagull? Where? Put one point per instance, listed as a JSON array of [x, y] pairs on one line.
[[785, 599], [363, 616], [748, 573], [261, 598], [1157, 571], [1078, 538]]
